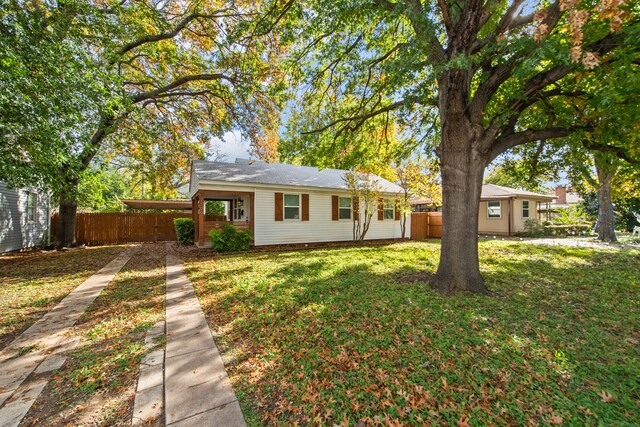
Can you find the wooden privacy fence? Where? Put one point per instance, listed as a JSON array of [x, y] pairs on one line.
[[123, 227], [425, 225]]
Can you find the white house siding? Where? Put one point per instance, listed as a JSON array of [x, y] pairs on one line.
[[319, 228], [15, 231]]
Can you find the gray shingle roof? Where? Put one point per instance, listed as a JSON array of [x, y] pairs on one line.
[[258, 172], [498, 191]]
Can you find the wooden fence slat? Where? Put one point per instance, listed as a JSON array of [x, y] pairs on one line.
[[426, 225], [122, 227]]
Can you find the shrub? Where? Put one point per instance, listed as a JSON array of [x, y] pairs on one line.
[[532, 228], [185, 229], [229, 239], [568, 230]]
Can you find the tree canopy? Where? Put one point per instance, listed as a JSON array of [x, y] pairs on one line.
[[153, 79]]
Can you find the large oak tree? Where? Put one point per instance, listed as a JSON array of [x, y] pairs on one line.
[[79, 76], [493, 71]]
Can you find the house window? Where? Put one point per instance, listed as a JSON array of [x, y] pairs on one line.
[[494, 209], [525, 209], [291, 206], [32, 201], [345, 207], [389, 209]]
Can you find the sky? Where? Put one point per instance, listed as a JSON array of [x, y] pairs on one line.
[[232, 146]]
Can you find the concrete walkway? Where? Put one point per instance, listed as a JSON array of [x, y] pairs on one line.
[[576, 243], [197, 389], [41, 348]]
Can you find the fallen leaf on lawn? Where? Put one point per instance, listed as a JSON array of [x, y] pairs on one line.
[[79, 408], [463, 422], [557, 420], [606, 397]]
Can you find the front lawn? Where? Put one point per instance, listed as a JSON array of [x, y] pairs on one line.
[[96, 385], [32, 283], [341, 335]]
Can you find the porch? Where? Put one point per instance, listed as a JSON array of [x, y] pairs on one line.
[[239, 211]]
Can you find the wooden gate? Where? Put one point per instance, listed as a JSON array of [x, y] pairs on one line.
[[122, 227], [426, 225]]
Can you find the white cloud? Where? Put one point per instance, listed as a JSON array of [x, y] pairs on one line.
[[233, 146]]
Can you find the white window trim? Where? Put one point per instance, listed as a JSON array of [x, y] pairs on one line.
[[500, 205], [385, 209], [34, 208], [528, 209], [343, 208], [284, 206]]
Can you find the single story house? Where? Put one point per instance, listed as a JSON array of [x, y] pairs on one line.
[[286, 204], [24, 218], [564, 199], [504, 210]]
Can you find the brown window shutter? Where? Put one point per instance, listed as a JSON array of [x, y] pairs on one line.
[[356, 209], [335, 215], [279, 206], [305, 207], [380, 209], [397, 213]]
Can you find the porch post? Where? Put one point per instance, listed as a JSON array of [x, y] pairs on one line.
[[200, 219], [252, 224], [194, 217]]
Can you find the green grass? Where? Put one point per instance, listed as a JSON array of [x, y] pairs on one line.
[[97, 383], [337, 336], [32, 283]]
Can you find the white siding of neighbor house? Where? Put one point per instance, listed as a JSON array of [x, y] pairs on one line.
[[15, 231], [319, 228]]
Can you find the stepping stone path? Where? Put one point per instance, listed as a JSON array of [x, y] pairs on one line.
[[148, 403], [187, 378], [41, 348], [197, 389]]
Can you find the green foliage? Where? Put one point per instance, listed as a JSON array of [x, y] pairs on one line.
[[323, 326], [573, 215], [185, 230], [230, 239], [101, 189], [215, 208], [524, 172]]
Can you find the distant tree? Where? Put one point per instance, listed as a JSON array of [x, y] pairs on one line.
[[417, 179], [365, 194], [215, 208]]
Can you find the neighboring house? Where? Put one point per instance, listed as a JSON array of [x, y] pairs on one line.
[[564, 198], [283, 204], [424, 205], [24, 218], [504, 210]]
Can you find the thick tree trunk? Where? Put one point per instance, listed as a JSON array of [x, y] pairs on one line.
[[606, 226], [462, 166], [66, 229], [459, 268]]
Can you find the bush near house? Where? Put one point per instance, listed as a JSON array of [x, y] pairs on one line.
[[230, 239], [535, 228], [185, 229]]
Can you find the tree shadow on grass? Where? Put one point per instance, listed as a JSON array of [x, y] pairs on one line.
[[30, 289], [99, 376], [337, 335]]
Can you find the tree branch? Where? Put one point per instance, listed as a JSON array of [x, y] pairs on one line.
[[179, 82], [618, 151], [174, 32], [365, 116], [513, 139]]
